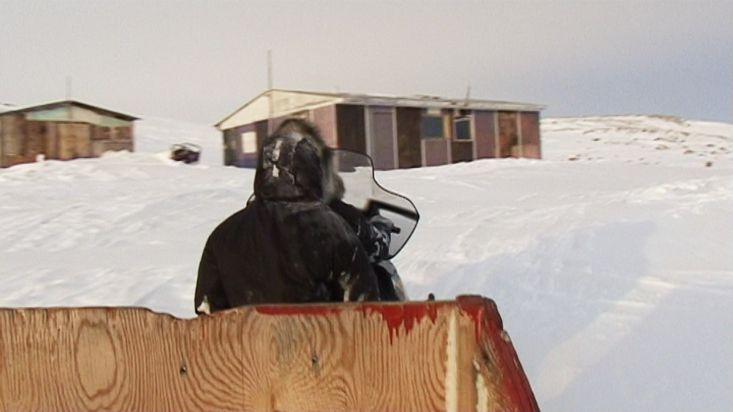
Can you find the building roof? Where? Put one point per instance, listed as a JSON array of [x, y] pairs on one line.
[[290, 101], [4, 107], [7, 109]]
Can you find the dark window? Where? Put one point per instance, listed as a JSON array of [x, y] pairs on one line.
[[463, 128], [432, 127]]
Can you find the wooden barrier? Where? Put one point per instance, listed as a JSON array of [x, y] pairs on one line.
[[422, 356]]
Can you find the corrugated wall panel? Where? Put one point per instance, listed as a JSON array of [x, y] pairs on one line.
[[531, 146], [485, 134], [381, 127], [436, 151]]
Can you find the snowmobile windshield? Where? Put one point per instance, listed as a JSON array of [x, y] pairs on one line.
[[362, 191]]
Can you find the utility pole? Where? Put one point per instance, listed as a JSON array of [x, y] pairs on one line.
[[68, 96], [68, 87], [270, 92], [269, 69]]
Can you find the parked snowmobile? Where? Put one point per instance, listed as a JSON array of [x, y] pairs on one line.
[[378, 204], [185, 152]]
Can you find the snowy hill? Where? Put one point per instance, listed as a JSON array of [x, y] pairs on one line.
[[655, 140], [609, 260]]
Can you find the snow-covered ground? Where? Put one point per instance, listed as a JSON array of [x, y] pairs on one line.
[[610, 260]]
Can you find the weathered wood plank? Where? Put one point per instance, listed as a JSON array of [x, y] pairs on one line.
[[426, 356]]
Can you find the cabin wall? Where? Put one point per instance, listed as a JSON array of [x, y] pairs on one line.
[[49, 133], [436, 152], [71, 140], [392, 135], [508, 134], [409, 146], [74, 140], [234, 150], [461, 151], [262, 132], [382, 139], [106, 138], [325, 119], [275, 122], [350, 127], [485, 133], [530, 125], [41, 138], [13, 144]]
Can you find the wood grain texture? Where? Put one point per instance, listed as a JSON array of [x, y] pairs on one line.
[[421, 356]]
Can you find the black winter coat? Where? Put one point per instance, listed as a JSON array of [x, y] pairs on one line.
[[286, 246]]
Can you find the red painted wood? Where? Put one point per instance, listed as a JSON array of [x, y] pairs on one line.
[[488, 331]]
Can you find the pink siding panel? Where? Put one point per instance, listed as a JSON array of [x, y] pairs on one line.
[[508, 134], [274, 123], [381, 128], [484, 123], [531, 146], [436, 152], [325, 119]]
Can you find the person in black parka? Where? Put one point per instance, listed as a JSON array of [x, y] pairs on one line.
[[287, 245]]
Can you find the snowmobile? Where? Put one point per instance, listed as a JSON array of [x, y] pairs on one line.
[[364, 192], [185, 152]]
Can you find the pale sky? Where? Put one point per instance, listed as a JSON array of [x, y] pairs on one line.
[[199, 60]]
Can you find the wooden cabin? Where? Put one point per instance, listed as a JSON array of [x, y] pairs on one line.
[[62, 130], [397, 132]]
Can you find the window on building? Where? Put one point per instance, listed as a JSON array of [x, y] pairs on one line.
[[249, 142], [432, 126], [462, 125]]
